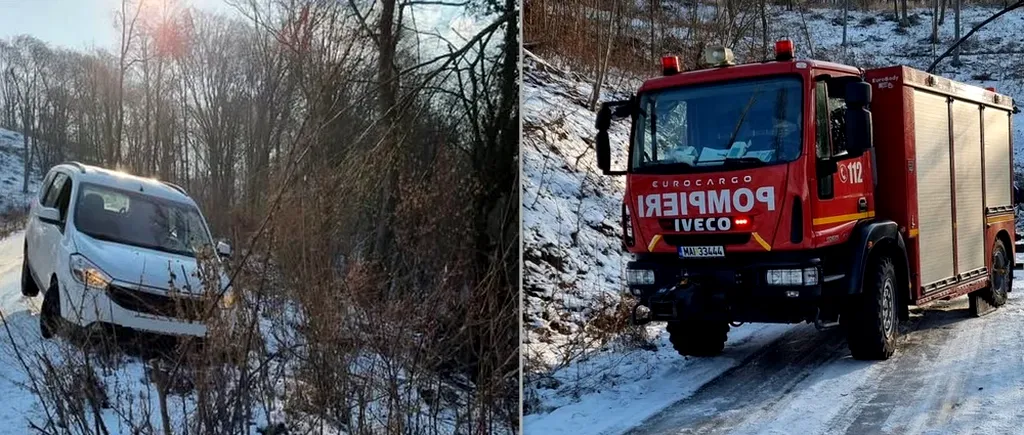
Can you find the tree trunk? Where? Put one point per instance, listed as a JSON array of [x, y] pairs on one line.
[[602, 64], [956, 32], [26, 133], [654, 44], [935, 23], [765, 49], [387, 80], [846, 10]]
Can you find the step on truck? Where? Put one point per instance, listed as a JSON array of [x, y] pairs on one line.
[[798, 190]]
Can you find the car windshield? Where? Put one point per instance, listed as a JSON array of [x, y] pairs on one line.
[[705, 127], [139, 220]]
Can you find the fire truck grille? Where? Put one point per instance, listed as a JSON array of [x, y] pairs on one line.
[[181, 307], [707, 239]]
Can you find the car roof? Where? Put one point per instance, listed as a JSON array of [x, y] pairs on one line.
[[125, 181]]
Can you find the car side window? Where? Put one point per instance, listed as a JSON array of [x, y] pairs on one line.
[[54, 190], [64, 199], [46, 185]]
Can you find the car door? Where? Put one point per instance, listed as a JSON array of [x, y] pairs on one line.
[[50, 234], [34, 228]]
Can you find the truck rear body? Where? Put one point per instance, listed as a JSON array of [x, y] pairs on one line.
[[945, 155]]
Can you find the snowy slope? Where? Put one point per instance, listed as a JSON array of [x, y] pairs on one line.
[[12, 164], [572, 253], [579, 380]]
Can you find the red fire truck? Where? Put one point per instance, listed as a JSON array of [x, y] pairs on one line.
[[799, 190]]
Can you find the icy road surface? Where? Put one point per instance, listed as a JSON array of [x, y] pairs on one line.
[[951, 374], [16, 404]]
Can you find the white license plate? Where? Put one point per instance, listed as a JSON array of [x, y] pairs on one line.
[[701, 251]]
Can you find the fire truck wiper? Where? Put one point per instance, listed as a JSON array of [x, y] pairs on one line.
[[744, 160], [740, 160]]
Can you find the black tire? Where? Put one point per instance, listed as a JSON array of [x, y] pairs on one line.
[[1001, 277], [871, 320], [49, 314], [698, 338], [28, 284]]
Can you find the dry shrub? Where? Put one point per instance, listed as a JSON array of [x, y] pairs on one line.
[[11, 220]]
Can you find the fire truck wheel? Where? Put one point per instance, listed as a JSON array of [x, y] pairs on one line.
[[698, 338], [871, 321], [1002, 272]]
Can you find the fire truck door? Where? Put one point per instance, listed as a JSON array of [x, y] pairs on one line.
[[844, 184]]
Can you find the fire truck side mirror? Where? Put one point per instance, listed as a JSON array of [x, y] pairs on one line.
[[604, 152], [858, 94], [859, 131]]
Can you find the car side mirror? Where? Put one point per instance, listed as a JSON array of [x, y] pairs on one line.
[[49, 215], [858, 129], [223, 249], [604, 151]]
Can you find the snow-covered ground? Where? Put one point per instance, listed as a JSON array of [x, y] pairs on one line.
[[579, 380]]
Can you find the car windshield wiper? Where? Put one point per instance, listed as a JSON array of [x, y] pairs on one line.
[[103, 237]]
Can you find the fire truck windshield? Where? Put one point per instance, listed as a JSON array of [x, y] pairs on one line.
[[718, 126]]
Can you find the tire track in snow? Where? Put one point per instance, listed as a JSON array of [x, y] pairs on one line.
[[805, 381], [758, 386]]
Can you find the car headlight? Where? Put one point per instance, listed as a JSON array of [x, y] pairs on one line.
[[639, 277], [85, 272], [792, 277]]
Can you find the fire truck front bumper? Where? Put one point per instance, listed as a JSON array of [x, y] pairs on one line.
[[772, 291]]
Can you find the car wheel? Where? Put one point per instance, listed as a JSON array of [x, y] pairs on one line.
[[49, 314], [28, 285]]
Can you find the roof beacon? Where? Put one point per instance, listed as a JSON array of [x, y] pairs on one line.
[[669, 65], [784, 50]]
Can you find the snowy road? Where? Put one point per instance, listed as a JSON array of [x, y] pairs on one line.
[[21, 313], [951, 374]]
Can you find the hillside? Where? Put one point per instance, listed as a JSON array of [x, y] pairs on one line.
[[587, 372], [12, 170]]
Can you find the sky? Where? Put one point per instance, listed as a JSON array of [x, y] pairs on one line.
[[77, 24], [89, 24]]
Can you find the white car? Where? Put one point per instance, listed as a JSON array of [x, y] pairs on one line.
[[110, 248]]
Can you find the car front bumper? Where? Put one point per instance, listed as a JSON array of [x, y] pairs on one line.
[[85, 306]]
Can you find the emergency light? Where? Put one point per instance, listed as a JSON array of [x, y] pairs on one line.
[[669, 65], [784, 50]]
